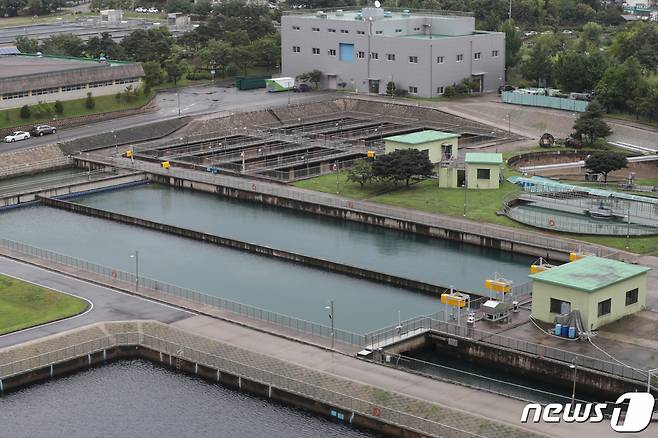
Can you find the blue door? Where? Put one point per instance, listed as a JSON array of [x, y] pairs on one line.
[[346, 52]]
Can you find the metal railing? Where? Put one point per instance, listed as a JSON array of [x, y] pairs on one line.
[[252, 312], [333, 398]]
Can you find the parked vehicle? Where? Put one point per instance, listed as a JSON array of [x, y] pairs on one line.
[[153, 10], [505, 88], [279, 84], [41, 130], [141, 10], [301, 88], [17, 136]]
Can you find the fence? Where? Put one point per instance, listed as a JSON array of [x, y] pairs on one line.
[[265, 377], [252, 312], [544, 101]]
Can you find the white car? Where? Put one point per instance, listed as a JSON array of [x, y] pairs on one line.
[[153, 10], [141, 10], [17, 136]]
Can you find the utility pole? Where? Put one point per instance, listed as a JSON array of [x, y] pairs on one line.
[[510, 10], [136, 257], [330, 308], [573, 392], [178, 97]]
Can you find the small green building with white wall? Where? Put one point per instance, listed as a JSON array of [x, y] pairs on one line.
[[440, 146], [603, 290], [483, 170]]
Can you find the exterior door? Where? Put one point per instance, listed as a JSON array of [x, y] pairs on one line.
[[373, 86], [332, 82]]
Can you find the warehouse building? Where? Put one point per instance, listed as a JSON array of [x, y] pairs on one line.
[[363, 50], [30, 79], [602, 290]]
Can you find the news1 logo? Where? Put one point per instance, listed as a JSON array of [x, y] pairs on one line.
[[637, 407]]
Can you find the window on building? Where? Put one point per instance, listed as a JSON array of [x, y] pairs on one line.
[[346, 52], [18, 95], [605, 307], [379, 32], [494, 53], [631, 297], [483, 173], [439, 59], [344, 31], [361, 54], [295, 28], [42, 91], [477, 55], [413, 59], [331, 30], [413, 90], [316, 29], [560, 307], [460, 57], [360, 32], [315, 50], [332, 52], [390, 56], [439, 90], [398, 30], [296, 49], [374, 55], [416, 29], [76, 87], [125, 81]]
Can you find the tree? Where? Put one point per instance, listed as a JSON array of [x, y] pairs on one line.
[[152, 73], [90, 103], [27, 45], [403, 165], [59, 107], [513, 44], [579, 71], [216, 53], [201, 7], [65, 44], [390, 88], [605, 162], [267, 51], [175, 69], [590, 124], [621, 85], [25, 112], [313, 76], [361, 172], [154, 44], [183, 6], [592, 33]]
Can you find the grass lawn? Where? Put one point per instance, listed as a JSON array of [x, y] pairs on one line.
[[25, 305], [481, 205], [72, 108]]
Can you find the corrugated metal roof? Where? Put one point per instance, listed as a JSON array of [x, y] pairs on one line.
[[422, 137], [9, 51], [483, 158], [589, 274]]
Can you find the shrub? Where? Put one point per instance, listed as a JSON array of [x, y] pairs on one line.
[[59, 107], [449, 91], [198, 75], [117, 97], [401, 92], [90, 103], [25, 112]]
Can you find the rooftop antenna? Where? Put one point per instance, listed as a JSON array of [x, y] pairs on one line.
[[377, 4]]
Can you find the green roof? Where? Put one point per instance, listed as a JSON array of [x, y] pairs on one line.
[[483, 158], [422, 137], [590, 273]]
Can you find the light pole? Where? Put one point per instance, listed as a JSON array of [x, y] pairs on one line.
[[178, 98], [573, 391], [650, 372], [330, 308], [509, 124], [116, 144], [464, 187], [336, 170], [135, 256], [628, 225]]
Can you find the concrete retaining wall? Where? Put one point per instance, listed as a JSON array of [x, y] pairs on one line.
[[380, 277], [552, 372], [228, 380], [113, 182]]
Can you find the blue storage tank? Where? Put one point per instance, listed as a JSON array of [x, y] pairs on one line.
[[558, 329], [572, 332], [565, 331]]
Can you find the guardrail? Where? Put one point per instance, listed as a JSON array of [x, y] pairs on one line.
[[243, 370]]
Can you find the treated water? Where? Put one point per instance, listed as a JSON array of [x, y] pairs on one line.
[[408, 255], [138, 399], [264, 282]]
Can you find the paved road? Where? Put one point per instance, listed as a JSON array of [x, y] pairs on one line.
[[108, 304], [194, 101]]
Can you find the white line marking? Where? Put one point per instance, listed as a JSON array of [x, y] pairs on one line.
[[91, 306]]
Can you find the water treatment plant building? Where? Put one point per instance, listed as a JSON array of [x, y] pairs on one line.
[[422, 53], [30, 79]]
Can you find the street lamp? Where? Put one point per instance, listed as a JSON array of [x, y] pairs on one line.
[[135, 256], [509, 124], [178, 98], [330, 308], [650, 373], [573, 392], [336, 170], [464, 187]]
